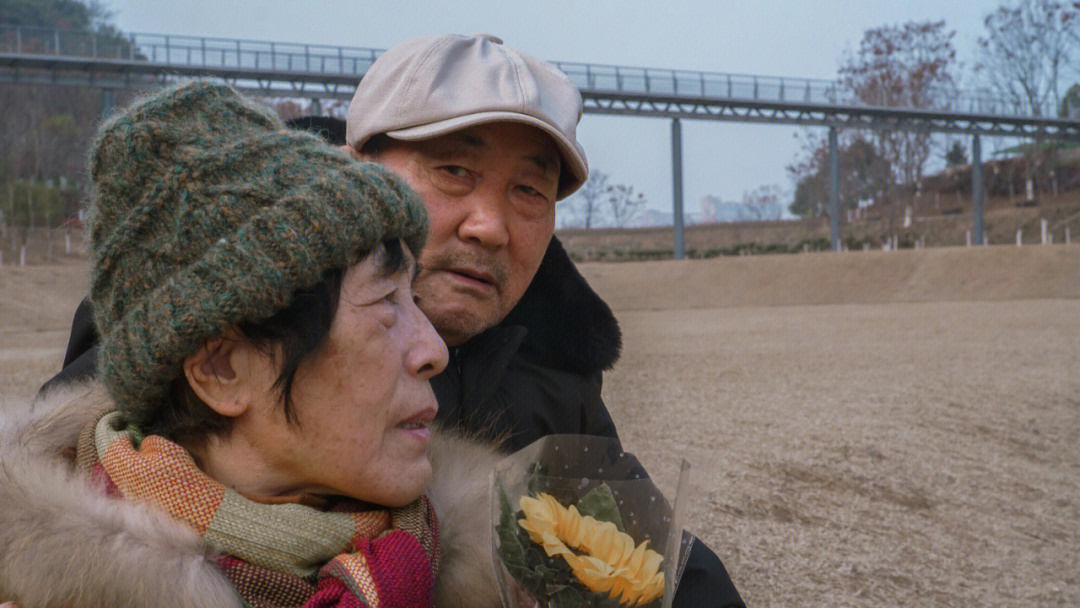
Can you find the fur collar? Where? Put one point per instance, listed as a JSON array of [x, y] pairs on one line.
[[112, 552], [570, 327]]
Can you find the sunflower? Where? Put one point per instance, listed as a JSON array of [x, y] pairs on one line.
[[609, 562]]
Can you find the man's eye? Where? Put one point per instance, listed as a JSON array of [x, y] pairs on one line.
[[456, 170], [533, 193]]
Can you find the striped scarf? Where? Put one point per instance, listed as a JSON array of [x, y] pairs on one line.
[[274, 554]]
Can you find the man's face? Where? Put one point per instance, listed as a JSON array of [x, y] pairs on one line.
[[490, 195]]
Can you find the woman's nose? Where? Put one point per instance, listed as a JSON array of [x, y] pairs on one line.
[[428, 356]]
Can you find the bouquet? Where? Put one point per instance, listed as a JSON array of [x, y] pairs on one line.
[[578, 523]]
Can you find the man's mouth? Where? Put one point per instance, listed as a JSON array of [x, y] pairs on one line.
[[473, 276]]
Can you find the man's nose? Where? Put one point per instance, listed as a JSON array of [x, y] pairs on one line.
[[485, 219]]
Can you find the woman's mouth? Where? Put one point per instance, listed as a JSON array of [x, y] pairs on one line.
[[418, 432], [417, 426]]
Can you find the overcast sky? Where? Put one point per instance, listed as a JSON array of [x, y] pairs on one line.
[[766, 37]]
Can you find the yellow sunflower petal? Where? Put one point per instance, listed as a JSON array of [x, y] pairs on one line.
[[611, 563], [636, 558]]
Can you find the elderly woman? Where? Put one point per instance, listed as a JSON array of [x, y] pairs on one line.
[[260, 438]]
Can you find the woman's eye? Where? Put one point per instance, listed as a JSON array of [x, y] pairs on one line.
[[388, 298]]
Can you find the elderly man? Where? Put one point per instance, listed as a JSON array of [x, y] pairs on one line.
[[487, 136]]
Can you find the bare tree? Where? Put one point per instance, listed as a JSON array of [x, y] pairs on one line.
[[863, 174], [1024, 50], [1021, 58], [590, 196], [762, 204], [623, 203], [45, 130], [908, 66], [1072, 33]]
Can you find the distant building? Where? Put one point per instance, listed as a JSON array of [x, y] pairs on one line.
[[651, 217], [709, 208], [714, 211]]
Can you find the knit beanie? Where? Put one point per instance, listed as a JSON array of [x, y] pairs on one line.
[[206, 212]]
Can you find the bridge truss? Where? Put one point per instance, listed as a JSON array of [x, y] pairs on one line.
[[320, 72]]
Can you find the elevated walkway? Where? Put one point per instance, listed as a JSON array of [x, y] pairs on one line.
[[110, 61]]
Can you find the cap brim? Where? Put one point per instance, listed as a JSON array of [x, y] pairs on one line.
[[573, 159]]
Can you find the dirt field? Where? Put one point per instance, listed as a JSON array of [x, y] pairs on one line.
[[866, 429]]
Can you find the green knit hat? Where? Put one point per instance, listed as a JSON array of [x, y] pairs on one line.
[[206, 211]]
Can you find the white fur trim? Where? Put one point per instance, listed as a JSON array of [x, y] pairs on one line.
[[63, 543], [460, 494]]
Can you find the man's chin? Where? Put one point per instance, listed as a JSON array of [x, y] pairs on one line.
[[458, 326]]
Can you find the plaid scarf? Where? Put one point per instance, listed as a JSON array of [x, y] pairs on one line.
[[274, 554]]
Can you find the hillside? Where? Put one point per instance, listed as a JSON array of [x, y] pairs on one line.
[[857, 277], [937, 220]]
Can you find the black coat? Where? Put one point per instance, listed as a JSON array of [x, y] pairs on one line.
[[537, 373]]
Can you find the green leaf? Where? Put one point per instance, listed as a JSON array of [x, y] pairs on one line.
[[531, 581], [510, 550], [567, 597], [532, 482], [506, 512], [600, 504], [533, 555], [550, 575]]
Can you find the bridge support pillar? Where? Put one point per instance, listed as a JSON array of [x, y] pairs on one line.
[[108, 101], [977, 189], [834, 190], [679, 251]]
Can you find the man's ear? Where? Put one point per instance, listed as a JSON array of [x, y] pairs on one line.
[[356, 154], [219, 373]]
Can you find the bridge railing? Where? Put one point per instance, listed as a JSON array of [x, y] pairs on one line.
[[190, 51], [20, 40], [285, 58], [675, 83]]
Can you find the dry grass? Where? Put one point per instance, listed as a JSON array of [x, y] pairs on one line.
[[866, 429], [865, 452], [36, 306]]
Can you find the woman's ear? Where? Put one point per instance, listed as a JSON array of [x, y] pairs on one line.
[[220, 373]]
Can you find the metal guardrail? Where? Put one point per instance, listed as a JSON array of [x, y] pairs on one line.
[[281, 59], [772, 89], [189, 51]]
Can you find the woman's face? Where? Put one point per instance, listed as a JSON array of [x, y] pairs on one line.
[[362, 400]]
